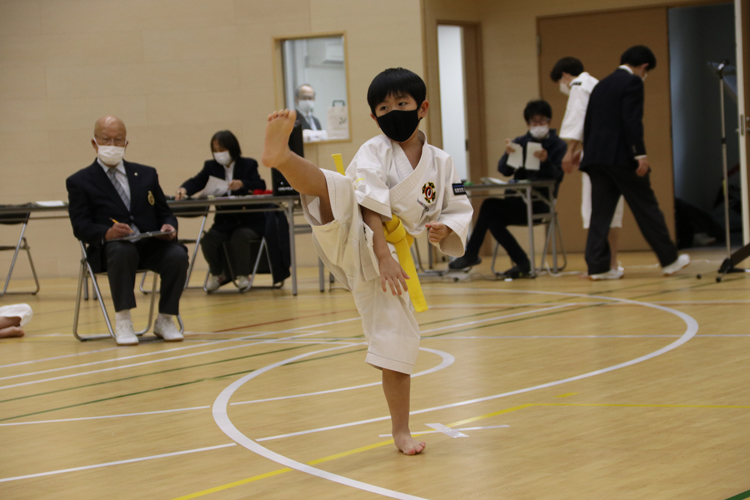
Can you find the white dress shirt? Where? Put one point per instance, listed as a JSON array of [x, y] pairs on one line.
[[120, 175]]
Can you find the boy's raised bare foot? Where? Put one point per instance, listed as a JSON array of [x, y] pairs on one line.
[[279, 127], [408, 445], [11, 331]]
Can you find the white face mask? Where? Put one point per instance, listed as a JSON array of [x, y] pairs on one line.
[[223, 158], [564, 88], [110, 155], [306, 105], [539, 131]]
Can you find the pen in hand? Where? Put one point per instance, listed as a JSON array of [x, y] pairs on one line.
[[131, 230]]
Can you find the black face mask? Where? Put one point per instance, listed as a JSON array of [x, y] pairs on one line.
[[399, 125]]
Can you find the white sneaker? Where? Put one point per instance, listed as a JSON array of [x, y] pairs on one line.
[[681, 262], [213, 283], [244, 283], [612, 274], [166, 329], [124, 334]]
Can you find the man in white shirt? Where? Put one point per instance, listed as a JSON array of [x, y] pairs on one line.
[[576, 83]]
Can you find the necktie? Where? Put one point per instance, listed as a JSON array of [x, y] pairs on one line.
[[112, 173]]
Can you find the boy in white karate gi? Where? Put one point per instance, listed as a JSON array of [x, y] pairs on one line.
[[395, 174], [577, 84]]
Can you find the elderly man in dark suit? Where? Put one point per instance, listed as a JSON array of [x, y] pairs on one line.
[[111, 199], [304, 102], [615, 159]]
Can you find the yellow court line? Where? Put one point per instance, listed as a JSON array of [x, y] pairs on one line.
[[567, 394], [452, 424]]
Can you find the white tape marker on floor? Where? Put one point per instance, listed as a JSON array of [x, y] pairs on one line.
[[447, 431]]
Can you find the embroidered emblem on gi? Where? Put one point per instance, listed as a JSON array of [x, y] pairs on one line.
[[428, 190], [151, 198]]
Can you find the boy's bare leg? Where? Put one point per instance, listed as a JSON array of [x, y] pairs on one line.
[[10, 327], [613, 238], [397, 389], [302, 175]]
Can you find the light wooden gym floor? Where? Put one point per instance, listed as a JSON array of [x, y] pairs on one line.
[[565, 389]]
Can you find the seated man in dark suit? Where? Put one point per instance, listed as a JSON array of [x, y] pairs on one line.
[[238, 230], [497, 214], [111, 190]]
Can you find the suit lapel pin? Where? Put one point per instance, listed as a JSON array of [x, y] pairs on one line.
[[136, 174], [151, 198]]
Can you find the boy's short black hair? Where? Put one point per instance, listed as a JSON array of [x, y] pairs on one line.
[[228, 141], [569, 65], [637, 55], [396, 81], [538, 107]]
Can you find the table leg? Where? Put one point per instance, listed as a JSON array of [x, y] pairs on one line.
[[292, 249], [529, 215]]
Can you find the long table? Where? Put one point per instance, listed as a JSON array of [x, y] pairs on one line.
[[282, 204], [529, 191]]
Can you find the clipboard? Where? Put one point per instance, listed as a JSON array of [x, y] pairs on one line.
[[150, 234]]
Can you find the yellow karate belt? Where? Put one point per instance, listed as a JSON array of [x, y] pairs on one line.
[[397, 235]]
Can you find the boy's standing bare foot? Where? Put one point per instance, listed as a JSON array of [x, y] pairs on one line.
[[397, 388]]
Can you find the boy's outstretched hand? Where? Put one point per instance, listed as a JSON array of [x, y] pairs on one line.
[[392, 273], [437, 231]]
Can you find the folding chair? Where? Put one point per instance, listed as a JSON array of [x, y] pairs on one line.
[[22, 244], [87, 272], [262, 250], [187, 213], [554, 234]]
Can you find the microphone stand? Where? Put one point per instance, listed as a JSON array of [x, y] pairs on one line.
[[728, 266]]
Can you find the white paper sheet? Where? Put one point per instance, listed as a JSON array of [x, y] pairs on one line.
[[492, 180], [49, 203], [214, 187], [515, 159], [532, 162]]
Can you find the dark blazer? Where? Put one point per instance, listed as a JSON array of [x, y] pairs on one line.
[[551, 168], [245, 170], [306, 124], [613, 129], [93, 201]]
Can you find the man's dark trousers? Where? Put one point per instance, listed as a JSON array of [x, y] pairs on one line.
[[168, 259], [607, 183]]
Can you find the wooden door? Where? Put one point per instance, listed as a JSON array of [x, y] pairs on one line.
[[598, 40]]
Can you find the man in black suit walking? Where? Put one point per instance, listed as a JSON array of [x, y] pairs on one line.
[[615, 159], [111, 199]]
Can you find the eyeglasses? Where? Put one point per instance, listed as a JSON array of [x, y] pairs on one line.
[[544, 121], [111, 141]]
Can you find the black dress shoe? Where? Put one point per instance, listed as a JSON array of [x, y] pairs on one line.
[[516, 272], [464, 262]]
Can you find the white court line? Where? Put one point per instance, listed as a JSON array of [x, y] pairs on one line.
[[58, 357], [462, 429], [59, 420], [211, 351], [225, 424], [119, 462], [259, 342], [448, 360], [452, 433], [222, 420], [167, 351]]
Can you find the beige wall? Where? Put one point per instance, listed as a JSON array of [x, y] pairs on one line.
[[175, 71]]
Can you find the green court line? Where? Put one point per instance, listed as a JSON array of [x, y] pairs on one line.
[[741, 496], [150, 374], [120, 396], [327, 356]]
